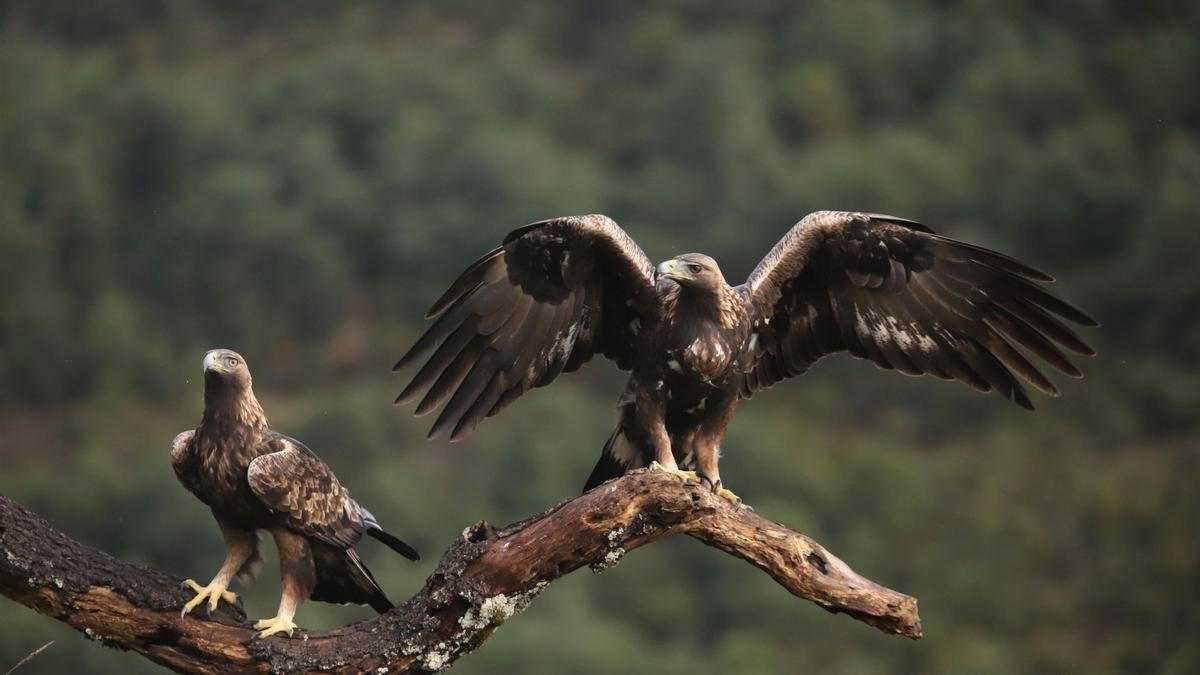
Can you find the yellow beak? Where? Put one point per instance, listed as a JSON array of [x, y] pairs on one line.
[[672, 269]]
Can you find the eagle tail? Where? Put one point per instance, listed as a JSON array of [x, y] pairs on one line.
[[342, 578], [380, 603], [376, 598], [614, 461], [394, 543]]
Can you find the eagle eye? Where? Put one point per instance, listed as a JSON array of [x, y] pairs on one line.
[[694, 268], [232, 362]]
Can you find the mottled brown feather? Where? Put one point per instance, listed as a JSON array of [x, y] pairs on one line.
[[292, 481]]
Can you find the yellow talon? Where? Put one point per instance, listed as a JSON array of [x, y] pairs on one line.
[[275, 625], [728, 496], [214, 593], [685, 476]]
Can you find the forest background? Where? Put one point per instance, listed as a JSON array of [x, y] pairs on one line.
[[299, 180]]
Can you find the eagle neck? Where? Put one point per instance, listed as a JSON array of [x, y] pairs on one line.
[[714, 305], [230, 413]]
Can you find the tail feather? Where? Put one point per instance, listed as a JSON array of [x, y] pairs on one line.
[[343, 578], [377, 599], [616, 458], [394, 543], [381, 604]]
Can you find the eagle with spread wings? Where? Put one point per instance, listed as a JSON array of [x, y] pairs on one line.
[[556, 293], [256, 479]]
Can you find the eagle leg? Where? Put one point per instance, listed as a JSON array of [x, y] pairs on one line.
[[687, 477], [297, 568], [214, 592], [240, 548]]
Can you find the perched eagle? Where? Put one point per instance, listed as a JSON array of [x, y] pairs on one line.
[[557, 292], [256, 479]]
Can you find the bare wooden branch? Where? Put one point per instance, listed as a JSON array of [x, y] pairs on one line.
[[485, 577]]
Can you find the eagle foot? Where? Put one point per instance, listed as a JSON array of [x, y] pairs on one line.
[[278, 624], [720, 491], [686, 477], [728, 496], [213, 592]]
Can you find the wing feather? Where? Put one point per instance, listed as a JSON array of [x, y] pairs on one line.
[[1041, 321], [552, 295], [889, 290], [1002, 320], [186, 464], [482, 272], [446, 352], [453, 375], [479, 409], [292, 481]]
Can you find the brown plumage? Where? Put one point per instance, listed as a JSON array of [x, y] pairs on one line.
[[255, 479], [883, 288]]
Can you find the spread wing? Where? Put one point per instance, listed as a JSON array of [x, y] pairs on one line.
[[892, 291], [545, 301], [292, 481], [185, 463]]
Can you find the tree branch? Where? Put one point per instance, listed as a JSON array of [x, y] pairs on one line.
[[485, 577]]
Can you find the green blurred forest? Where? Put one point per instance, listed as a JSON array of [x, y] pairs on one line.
[[299, 180]]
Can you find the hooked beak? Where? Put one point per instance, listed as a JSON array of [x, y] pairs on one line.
[[671, 269], [212, 362]]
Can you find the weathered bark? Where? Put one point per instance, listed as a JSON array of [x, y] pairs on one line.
[[485, 577]]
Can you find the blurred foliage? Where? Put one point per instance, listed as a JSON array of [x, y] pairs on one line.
[[299, 180]]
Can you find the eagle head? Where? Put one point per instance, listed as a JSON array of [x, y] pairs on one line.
[[692, 270], [225, 367]]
